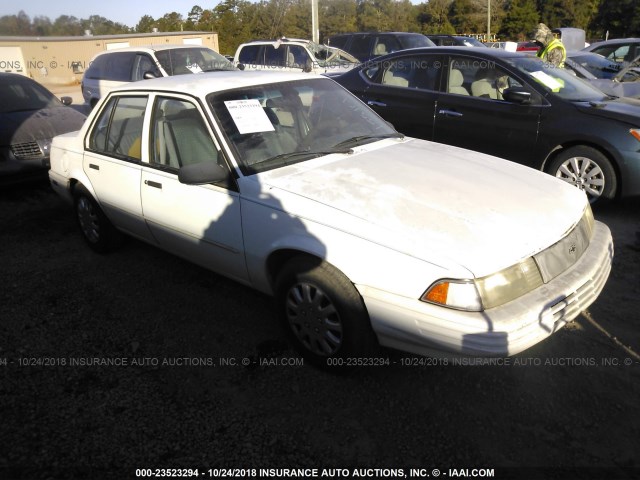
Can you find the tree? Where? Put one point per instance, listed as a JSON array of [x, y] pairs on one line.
[[462, 15], [620, 18], [433, 17], [374, 15], [170, 22], [146, 24], [41, 26], [67, 25], [336, 16], [520, 20]]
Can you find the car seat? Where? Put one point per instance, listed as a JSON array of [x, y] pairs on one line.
[[455, 82]]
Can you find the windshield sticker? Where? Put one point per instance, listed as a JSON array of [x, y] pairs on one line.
[[249, 116], [547, 81]]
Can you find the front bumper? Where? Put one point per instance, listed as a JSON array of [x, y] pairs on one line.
[[410, 325]]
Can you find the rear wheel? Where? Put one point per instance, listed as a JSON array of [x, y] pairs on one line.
[[323, 313], [589, 170], [96, 228]]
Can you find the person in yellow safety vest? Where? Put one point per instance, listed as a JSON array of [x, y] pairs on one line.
[[552, 49]]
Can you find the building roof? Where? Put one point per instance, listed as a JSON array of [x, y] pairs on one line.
[[100, 37]]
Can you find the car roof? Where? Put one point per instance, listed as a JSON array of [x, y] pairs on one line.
[[614, 41], [202, 84], [280, 40], [488, 52]]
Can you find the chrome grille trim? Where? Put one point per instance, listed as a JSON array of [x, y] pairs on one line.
[[570, 307]]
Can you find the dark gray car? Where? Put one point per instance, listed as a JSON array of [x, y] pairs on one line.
[[30, 116]]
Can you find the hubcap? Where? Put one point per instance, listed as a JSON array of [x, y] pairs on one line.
[[88, 220], [314, 319], [584, 174]]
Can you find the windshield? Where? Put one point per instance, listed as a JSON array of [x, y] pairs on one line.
[[24, 95], [273, 125], [415, 41], [597, 65], [179, 61], [472, 42], [557, 80]]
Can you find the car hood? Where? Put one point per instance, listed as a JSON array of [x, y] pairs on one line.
[[617, 89], [623, 109], [27, 126], [435, 202]]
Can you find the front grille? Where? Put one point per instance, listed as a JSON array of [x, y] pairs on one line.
[[569, 308], [565, 253], [26, 150]]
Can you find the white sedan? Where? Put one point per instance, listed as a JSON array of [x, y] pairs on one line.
[[289, 184]]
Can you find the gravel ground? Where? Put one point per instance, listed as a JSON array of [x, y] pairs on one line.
[[567, 408]]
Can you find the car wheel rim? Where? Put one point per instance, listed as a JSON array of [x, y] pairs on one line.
[[89, 222], [585, 174], [314, 319]]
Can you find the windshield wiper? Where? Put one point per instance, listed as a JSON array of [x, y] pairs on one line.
[[361, 138], [303, 155]]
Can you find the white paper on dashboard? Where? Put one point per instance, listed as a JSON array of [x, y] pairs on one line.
[[249, 116]]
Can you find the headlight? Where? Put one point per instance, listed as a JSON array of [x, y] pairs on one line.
[[486, 292], [512, 282]]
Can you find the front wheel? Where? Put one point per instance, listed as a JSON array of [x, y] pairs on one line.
[[323, 313], [589, 170]]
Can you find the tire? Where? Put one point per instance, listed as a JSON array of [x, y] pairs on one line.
[[323, 314], [589, 170], [97, 230]]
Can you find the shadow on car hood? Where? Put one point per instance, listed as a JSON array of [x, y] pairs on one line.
[[432, 201]]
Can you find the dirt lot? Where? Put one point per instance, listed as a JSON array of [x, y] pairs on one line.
[[567, 408]]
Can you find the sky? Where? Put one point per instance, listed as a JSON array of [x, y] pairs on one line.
[[127, 12]]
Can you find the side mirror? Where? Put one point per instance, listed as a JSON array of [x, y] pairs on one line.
[[66, 100], [517, 95], [202, 173], [241, 66], [149, 75]]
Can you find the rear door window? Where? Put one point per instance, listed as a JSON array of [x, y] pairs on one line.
[[249, 54], [118, 131], [360, 47]]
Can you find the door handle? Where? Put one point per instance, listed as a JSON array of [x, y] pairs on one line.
[[373, 103], [153, 184], [94, 166], [450, 113]]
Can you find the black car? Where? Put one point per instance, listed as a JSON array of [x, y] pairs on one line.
[[30, 116], [367, 45], [510, 105]]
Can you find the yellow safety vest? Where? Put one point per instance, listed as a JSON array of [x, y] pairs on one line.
[[555, 43]]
